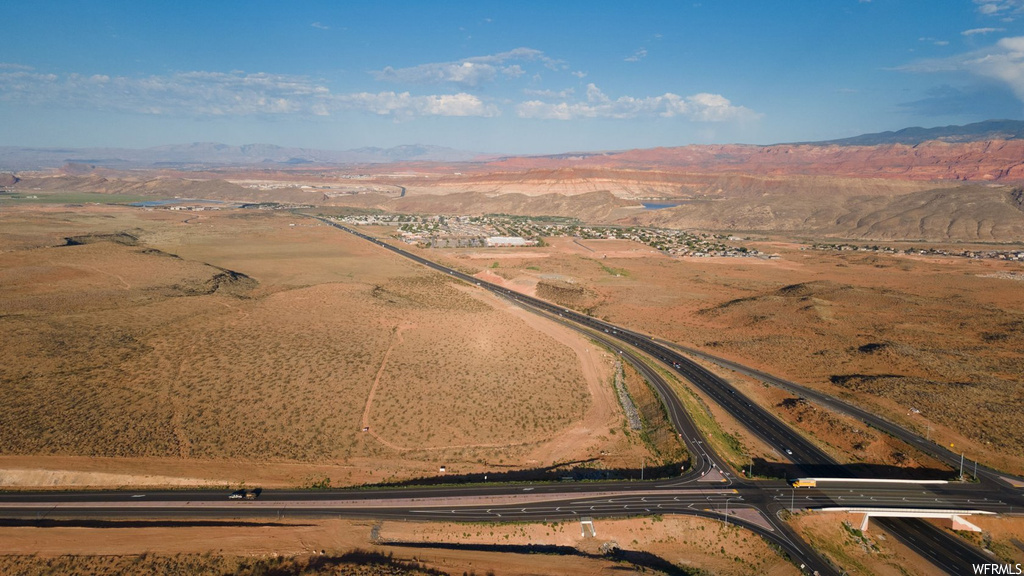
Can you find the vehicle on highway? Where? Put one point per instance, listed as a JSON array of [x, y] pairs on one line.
[[244, 494]]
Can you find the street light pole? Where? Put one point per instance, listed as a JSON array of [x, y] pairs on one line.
[[727, 500]]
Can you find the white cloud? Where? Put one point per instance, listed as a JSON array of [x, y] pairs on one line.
[[514, 71], [406, 105], [999, 7], [464, 73], [701, 107], [637, 56], [469, 72], [595, 96], [1003, 62], [974, 31], [549, 94], [206, 94]]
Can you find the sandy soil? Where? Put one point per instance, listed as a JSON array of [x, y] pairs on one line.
[[159, 368], [1003, 536], [845, 438], [933, 343], [525, 285], [836, 536], [683, 541], [20, 477], [604, 413]]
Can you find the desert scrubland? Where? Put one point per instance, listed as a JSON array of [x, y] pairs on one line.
[[256, 346], [221, 347], [657, 545], [875, 551], [932, 342]]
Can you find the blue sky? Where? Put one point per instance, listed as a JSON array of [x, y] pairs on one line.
[[501, 77]]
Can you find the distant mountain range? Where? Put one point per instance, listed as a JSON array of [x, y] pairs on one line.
[[204, 155], [987, 130], [208, 154]]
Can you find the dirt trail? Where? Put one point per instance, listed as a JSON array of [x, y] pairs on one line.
[[376, 381], [601, 414], [184, 444], [124, 283]]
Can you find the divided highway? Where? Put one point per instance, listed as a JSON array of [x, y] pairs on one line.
[[789, 444], [700, 491], [941, 453]]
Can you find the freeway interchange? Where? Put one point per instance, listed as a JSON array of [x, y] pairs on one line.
[[709, 488]]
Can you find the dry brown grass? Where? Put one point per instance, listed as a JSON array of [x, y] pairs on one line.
[[156, 351], [692, 545], [496, 389], [950, 337], [353, 563], [658, 432], [837, 537]]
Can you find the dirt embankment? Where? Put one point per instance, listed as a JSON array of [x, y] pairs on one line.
[[567, 294], [659, 545]]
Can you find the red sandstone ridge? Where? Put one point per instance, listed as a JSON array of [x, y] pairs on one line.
[[990, 160]]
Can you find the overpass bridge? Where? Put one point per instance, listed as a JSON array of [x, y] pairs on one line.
[[955, 515]]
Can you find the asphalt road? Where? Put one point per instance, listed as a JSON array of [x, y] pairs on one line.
[[789, 444], [936, 546], [942, 497], [504, 503], [680, 419], [941, 453], [753, 505]]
